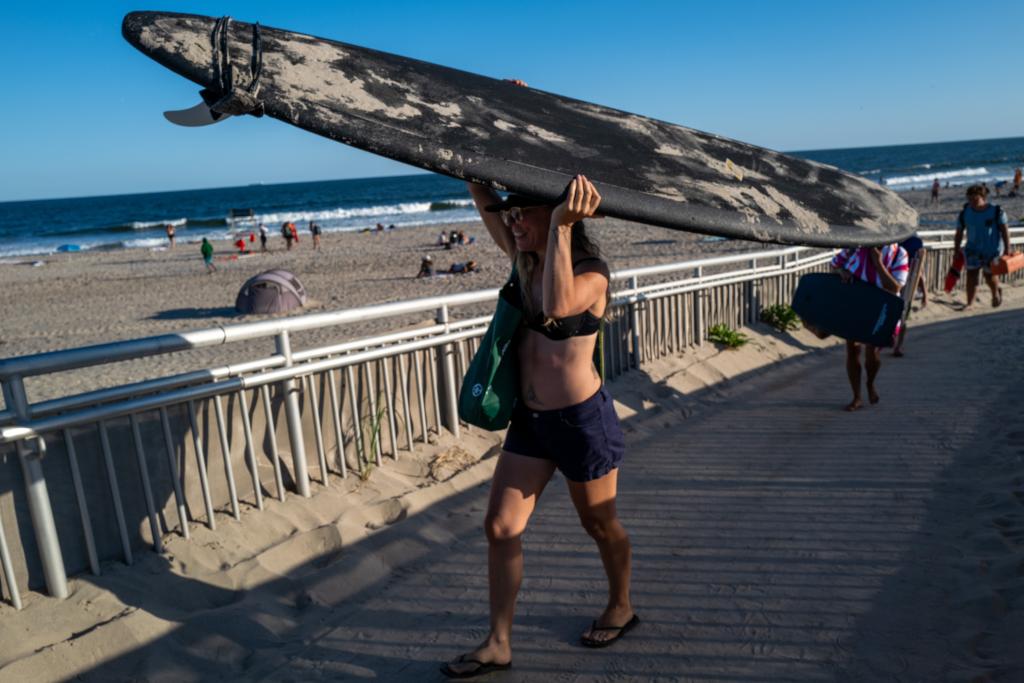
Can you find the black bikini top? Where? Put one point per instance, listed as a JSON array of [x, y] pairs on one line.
[[557, 329]]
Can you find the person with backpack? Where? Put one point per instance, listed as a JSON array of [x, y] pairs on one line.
[[988, 236]]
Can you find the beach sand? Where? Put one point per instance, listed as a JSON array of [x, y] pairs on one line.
[[767, 546], [90, 298]]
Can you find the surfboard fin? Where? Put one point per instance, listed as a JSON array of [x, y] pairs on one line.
[[199, 115]]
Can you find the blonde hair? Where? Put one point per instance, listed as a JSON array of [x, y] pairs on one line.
[[526, 263]]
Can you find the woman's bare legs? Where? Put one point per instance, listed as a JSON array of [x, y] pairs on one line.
[[517, 484], [595, 504]]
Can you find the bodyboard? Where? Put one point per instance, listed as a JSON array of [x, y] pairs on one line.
[[521, 139], [855, 310]]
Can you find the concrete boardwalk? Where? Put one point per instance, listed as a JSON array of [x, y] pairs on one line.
[[775, 536]]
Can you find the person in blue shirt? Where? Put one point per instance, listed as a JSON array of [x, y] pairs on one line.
[[988, 236]]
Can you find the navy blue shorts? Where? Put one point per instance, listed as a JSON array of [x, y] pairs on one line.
[[584, 441]]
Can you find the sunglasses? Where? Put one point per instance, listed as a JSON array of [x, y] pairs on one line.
[[514, 215]]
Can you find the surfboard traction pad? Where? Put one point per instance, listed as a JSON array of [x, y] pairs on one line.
[[854, 310], [525, 140]]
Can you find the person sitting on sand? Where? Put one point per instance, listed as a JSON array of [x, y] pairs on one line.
[[565, 419], [206, 249], [463, 268], [426, 267], [987, 229], [886, 267]]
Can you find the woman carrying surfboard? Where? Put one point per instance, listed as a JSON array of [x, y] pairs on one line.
[[564, 418]]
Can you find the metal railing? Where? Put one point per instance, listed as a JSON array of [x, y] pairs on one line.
[[357, 401]]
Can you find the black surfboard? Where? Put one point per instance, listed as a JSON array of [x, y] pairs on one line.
[[854, 310], [517, 138]]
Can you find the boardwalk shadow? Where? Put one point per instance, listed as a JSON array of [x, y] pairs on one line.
[[196, 313]]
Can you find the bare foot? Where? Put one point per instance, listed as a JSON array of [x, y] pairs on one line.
[[486, 654], [853, 405], [873, 395]]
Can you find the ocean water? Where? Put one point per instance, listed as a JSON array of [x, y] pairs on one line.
[[906, 167], [138, 220]]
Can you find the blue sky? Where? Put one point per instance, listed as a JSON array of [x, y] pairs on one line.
[[81, 109]]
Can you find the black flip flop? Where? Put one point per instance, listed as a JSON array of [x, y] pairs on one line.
[[481, 669], [623, 630]]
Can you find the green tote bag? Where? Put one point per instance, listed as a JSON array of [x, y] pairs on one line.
[[491, 384]]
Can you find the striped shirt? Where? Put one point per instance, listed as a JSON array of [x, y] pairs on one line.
[[858, 263]]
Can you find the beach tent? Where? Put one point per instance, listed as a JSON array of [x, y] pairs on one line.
[[274, 291]]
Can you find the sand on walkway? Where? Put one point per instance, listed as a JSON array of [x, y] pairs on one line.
[[775, 536]]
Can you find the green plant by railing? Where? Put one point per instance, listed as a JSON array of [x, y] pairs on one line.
[[369, 434], [782, 317], [723, 334]]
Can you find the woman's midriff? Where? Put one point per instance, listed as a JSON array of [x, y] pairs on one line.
[[556, 374]]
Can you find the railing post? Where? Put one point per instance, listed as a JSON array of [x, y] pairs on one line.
[[293, 417], [38, 498], [698, 306], [451, 400], [634, 323], [754, 296], [8, 568]]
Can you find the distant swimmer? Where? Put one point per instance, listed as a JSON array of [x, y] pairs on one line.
[[887, 268], [988, 236]]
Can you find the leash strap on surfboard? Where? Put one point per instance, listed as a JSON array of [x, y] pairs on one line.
[[229, 99]]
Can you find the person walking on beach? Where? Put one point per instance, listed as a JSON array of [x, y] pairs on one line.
[[170, 234], [564, 418], [289, 234], [263, 237], [206, 249], [935, 191], [1016, 182], [885, 267], [987, 229], [314, 230]]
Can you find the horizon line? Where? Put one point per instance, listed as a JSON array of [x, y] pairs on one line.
[[417, 171]]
